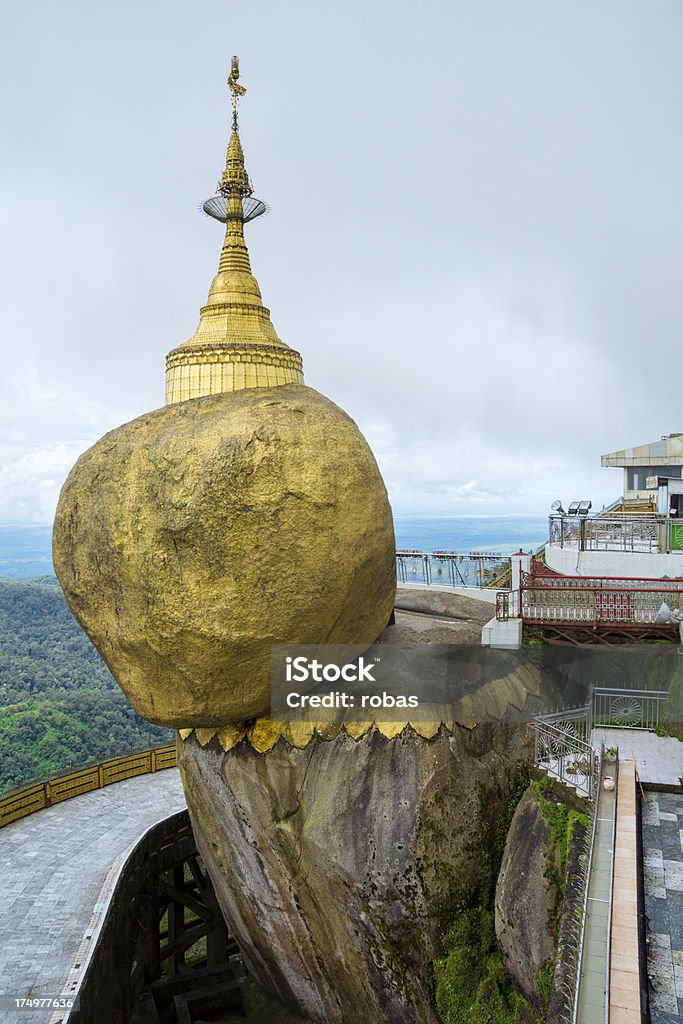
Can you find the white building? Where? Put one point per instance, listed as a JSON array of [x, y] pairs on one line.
[[612, 577], [662, 458]]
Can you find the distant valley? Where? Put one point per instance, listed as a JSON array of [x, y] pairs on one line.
[[59, 705]]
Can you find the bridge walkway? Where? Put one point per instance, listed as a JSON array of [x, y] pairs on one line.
[[52, 867], [609, 980]]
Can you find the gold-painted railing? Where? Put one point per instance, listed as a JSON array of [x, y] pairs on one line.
[[23, 802]]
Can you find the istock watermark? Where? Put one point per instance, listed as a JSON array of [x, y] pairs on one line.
[[635, 685], [303, 669]]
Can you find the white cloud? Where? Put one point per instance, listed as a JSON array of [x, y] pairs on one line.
[[30, 482], [475, 241]]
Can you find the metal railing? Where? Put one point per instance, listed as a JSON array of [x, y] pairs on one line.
[[541, 576], [596, 604], [507, 605], [641, 532], [626, 709], [567, 733], [450, 568], [563, 751], [569, 599], [562, 754], [584, 905], [22, 802], [578, 721]]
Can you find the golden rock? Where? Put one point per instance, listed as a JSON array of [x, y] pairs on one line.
[[191, 539]]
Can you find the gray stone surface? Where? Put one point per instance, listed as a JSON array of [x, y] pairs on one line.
[[442, 602], [527, 894], [419, 628], [52, 867], [659, 759], [663, 871]]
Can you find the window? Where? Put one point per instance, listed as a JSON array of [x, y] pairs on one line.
[[637, 475]]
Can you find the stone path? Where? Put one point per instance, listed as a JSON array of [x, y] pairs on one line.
[[624, 975], [52, 867], [593, 975], [663, 870]]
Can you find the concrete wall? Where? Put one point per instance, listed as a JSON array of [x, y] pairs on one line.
[[477, 593], [571, 562], [506, 635]]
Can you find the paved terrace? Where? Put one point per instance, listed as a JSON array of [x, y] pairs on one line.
[[659, 759], [663, 870], [52, 867], [659, 762]]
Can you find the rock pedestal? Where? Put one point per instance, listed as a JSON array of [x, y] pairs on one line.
[[334, 864]]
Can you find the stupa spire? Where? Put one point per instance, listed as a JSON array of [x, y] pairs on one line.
[[235, 345]]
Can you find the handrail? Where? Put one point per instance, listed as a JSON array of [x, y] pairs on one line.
[[584, 911], [553, 588], [37, 796], [611, 887], [583, 745], [569, 714]]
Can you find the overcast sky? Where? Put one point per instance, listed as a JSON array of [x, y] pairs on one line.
[[475, 237]]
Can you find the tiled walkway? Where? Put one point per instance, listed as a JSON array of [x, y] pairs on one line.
[[663, 869], [624, 979], [52, 866]]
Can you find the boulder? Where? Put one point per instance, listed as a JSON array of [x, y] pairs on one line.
[[527, 897], [190, 540]]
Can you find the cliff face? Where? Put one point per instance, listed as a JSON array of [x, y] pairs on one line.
[[336, 865]]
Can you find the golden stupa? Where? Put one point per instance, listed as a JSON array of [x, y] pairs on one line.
[[235, 345], [248, 511]]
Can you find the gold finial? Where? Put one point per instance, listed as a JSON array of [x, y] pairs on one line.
[[236, 89], [235, 180], [235, 345]]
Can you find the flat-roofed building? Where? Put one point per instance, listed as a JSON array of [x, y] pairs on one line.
[[642, 464]]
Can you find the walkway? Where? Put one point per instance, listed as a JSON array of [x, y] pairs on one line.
[[663, 870], [594, 961], [624, 978], [52, 867]]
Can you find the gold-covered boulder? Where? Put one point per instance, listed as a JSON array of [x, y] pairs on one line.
[[192, 538]]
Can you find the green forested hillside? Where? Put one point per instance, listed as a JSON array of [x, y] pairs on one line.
[[59, 705]]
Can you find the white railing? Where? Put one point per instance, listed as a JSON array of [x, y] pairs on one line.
[[563, 755], [626, 709], [549, 603], [645, 533]]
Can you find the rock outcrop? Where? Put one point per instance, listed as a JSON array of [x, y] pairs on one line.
[[527, 897], [444, 604], [334, 864]]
